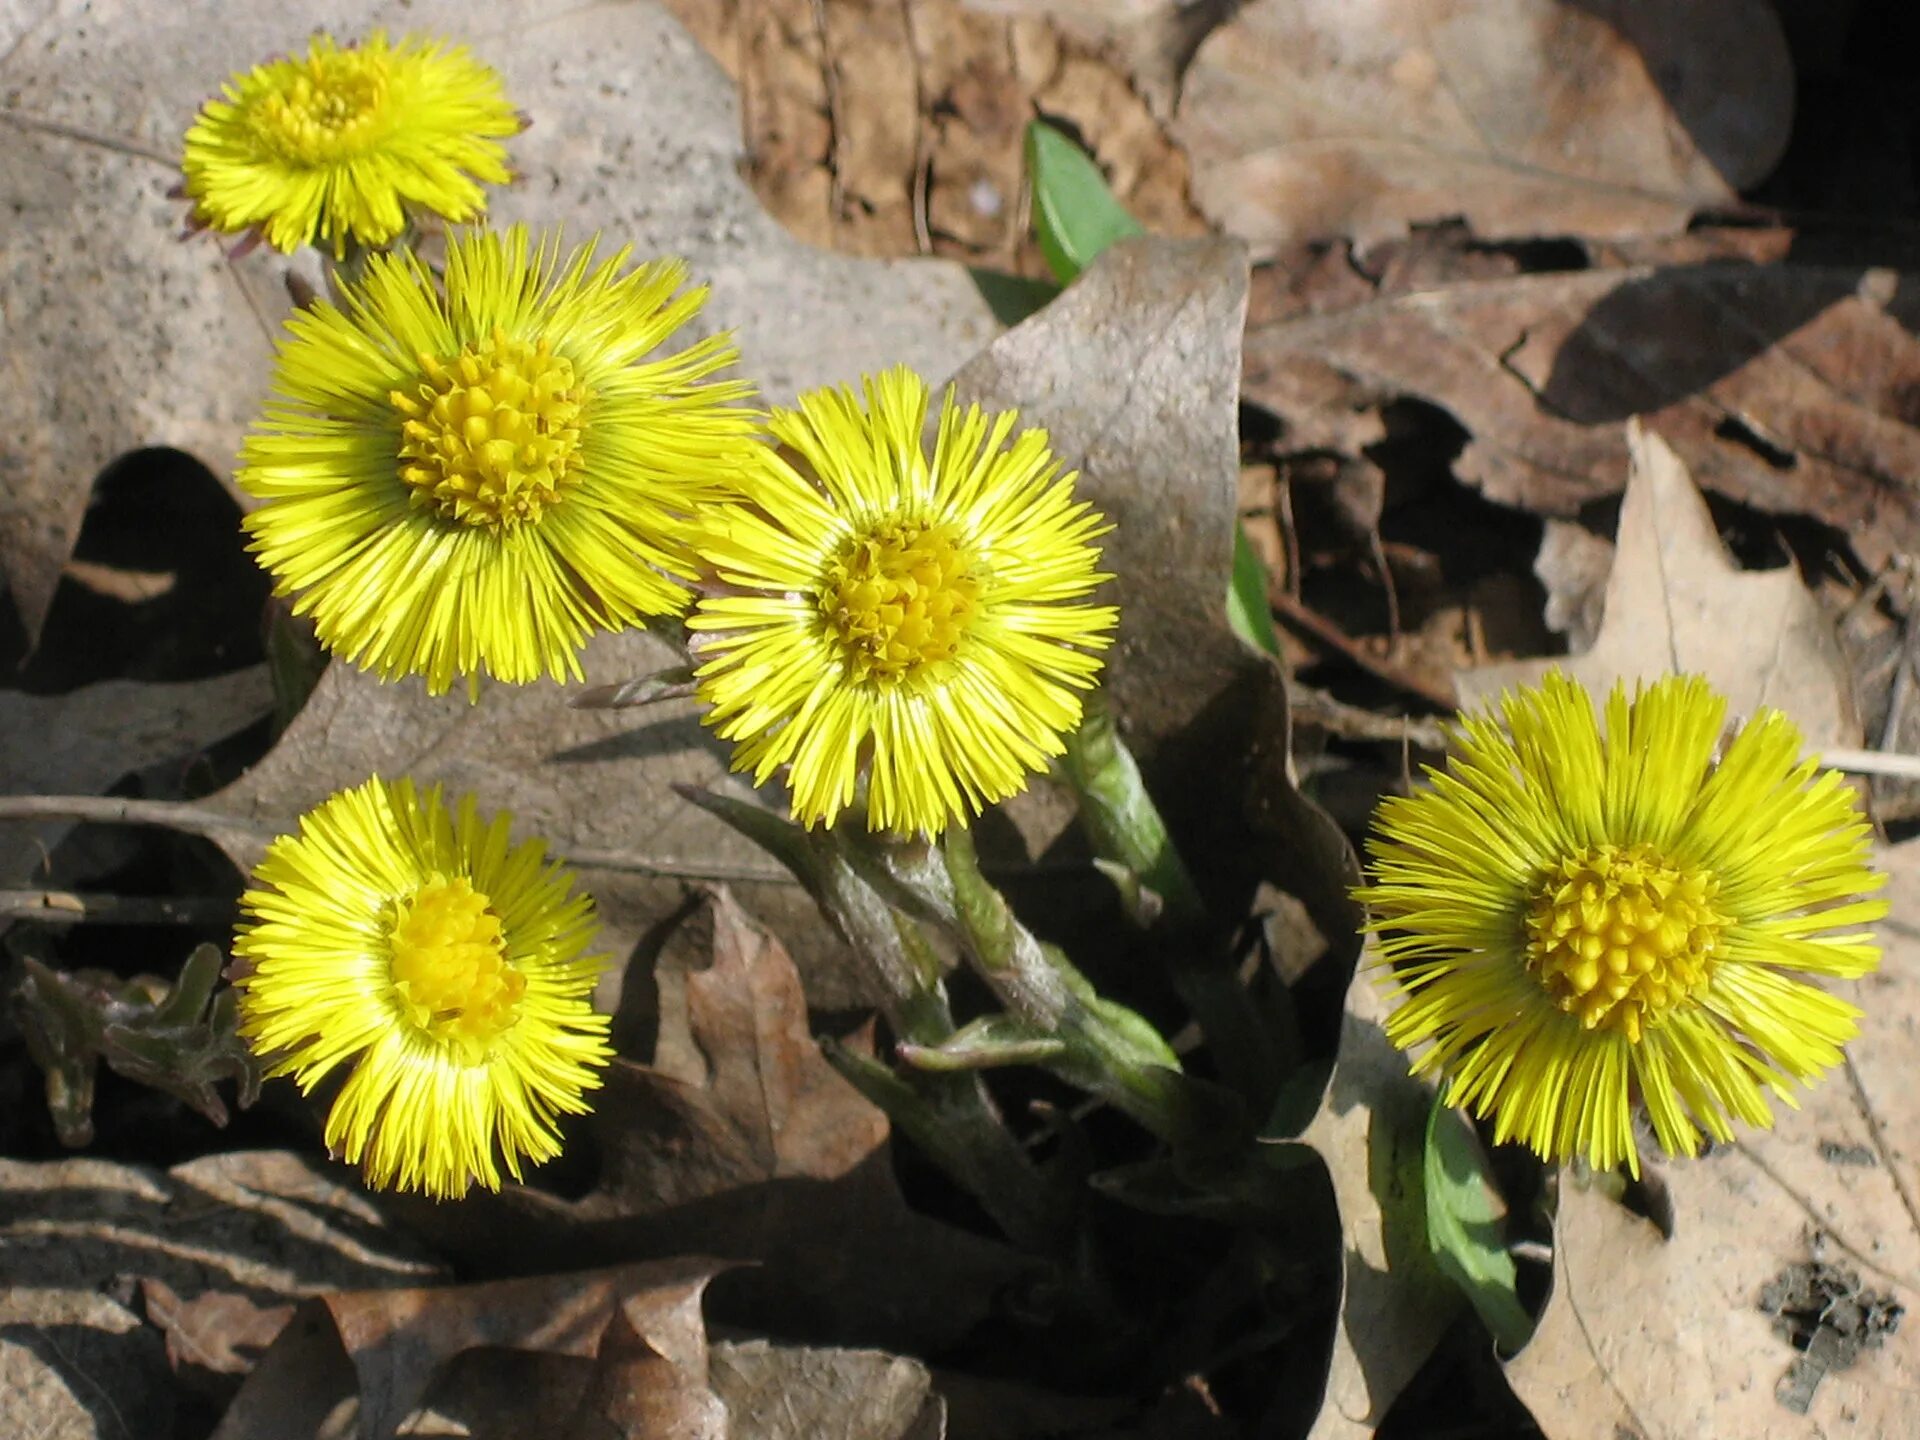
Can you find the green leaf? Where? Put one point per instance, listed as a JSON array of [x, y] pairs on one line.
[[1249, 614], [1075, 216], [1465, 1229]]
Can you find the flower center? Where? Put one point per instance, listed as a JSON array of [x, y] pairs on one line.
[[488, 437], [450, 965], [327, 108], [1620, 938], [899, 597]]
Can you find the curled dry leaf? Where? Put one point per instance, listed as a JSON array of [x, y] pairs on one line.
[[121, 337], [1394, 1301], [1674, 1338], [1677, 602], [1785, 387], [210, 1258], [742, 1141], [389, 1354], [1315, 120], [781, 1392]]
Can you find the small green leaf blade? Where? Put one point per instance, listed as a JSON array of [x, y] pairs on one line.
[[1075, 216], [1465, 1229], [1248, 612]]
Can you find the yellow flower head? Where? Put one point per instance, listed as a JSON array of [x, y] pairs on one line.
[[1580, 916], [879, 609], [335, 146], [480, 473], [443, 965]]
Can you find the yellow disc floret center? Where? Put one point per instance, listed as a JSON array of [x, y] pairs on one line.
[[324, 108], [898, 597], [1619, 937], [450, 967], [490, 436]]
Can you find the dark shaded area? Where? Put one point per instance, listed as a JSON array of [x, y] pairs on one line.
[[160, 588]]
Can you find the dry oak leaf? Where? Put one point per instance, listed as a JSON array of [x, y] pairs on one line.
[[392, 1355], [1395, 1304], [636, 137], [1314, 119], [1785, 387], [1677, 603], [114, 336], [1670, 1339]]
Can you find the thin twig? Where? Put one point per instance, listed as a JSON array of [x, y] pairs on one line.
[[922, 150], [69, 907], [1873, 762], [1350, 722], [236, 837], [244, 842], [1331, 635]]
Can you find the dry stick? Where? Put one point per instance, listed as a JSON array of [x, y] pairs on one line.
[[922, 149], [1350, 722], [69, 907], [239, 838], [1325, 631]]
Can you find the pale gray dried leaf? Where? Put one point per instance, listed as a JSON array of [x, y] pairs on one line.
[[1573, 566], [1677, 603], [129, 339], [261, 1223], [1394, 1302], [1313, 120], [77, 1365], [1134, 373], [252, 1230], [636, 135], [82, 742], [381, 1357], [1785, 387], [787, 1392], [1669, 1339]]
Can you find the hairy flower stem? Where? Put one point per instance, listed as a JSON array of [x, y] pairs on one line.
[[1108, 1050], [949, 1114], [1132, 846]]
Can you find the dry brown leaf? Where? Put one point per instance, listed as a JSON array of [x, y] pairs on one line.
[[1669, 1339], [1677, 603], [743, 1142], [217, 1252], [116, 336], [1784, 387], [383, 1356], [1317, 120], [781, 1392], [889, 129]]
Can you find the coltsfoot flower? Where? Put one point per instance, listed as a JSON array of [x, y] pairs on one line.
[[1579, 916], [334, 147], [914, 617], [444, 966], [477, 474]]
